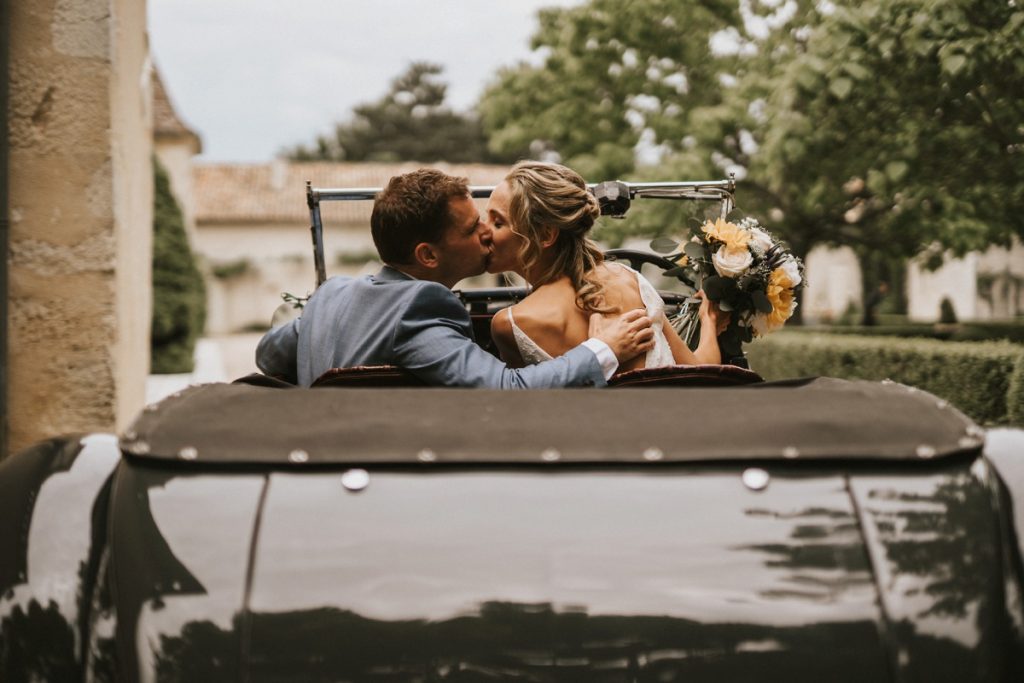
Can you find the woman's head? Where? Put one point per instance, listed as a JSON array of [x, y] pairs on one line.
[[541, 215]]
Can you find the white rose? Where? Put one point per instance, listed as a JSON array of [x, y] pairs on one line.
[[762, 240], [791, 270], [732, 262]]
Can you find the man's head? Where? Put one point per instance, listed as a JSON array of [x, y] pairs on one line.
[[425, 224]]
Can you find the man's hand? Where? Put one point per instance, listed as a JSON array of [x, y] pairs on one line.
[[628, 335]]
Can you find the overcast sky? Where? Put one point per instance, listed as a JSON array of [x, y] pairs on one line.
[[253, 76]]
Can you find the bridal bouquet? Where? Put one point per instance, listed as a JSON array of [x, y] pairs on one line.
[[745, 270]]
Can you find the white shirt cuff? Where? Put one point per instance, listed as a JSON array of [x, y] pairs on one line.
[[605, 356]]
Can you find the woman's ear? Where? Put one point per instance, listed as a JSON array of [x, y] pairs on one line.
[[425, 255], [548, 236]]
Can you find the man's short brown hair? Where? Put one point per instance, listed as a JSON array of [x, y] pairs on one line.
[[413, 208]]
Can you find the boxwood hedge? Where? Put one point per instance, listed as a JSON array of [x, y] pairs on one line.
[[983, 379]]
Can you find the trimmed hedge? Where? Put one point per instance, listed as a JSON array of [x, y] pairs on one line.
[[179, 295], [985, 380], [972, 331]]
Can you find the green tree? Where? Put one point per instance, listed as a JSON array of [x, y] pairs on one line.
[[886, 125], [410, 123], [897, 125], [179, 296], [615, 73]]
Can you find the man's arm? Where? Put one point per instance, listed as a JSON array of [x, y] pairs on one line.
[[433, 341], [277, 352]]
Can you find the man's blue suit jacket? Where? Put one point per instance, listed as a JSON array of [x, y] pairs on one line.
[[393, 319]]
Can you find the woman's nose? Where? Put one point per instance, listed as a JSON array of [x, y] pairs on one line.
[[486, 233]]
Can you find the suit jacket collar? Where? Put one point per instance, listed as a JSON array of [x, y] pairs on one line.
[[389, 274]]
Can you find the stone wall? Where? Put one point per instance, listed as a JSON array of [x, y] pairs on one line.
[[81, 216]]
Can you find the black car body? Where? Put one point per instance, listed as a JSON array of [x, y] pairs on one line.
[[805, 530]]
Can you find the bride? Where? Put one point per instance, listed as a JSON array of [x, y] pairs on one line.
[[540, 215]]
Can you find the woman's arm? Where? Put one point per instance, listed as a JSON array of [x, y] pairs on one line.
[[501, 333], [707, 353], [712, 322], [681, 353]]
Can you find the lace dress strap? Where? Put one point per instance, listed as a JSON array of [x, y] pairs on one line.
[[528, 349]]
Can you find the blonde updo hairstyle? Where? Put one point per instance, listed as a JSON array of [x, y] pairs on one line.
[[545, 195]]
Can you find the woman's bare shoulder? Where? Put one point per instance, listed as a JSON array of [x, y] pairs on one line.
[[620, 286], [501, 325]]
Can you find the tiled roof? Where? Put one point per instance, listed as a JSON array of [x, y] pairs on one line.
[[276, 192], [165, 119]]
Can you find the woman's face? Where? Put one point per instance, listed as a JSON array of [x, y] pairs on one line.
[[506, 244]]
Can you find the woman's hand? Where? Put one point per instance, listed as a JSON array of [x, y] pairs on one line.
[[711, 315]]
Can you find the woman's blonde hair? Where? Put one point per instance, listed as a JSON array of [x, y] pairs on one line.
[[545, 195]]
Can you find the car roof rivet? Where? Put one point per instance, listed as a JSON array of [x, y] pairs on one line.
[[298, 455], [925, 451], [426, 455], [138, 448], [550, 455], [790, 452], [975, 430], [942, 404], [755, 478], [887, 381], [188, 453], [653, 454], [355, 480], [968, 442]]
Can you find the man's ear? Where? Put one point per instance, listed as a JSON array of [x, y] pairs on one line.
[[548, 236], [425, 255]]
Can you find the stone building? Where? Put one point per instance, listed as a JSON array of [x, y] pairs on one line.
[[79, 199], [252, 230], [174, 144], [985, 285]]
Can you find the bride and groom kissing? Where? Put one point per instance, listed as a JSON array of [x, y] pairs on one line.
[[584, 320]]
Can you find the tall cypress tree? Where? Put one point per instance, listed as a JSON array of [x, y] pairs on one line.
[[179, 295]]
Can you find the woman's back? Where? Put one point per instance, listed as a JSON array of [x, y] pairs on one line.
[[551, 319]]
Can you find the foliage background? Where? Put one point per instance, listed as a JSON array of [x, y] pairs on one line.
[[179, 295], [890, 126]]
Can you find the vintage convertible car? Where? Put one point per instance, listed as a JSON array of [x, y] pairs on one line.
[[692, 524]]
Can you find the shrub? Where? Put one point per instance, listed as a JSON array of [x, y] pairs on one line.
[[947, 314], [973, 376], [1015, 395], [231, 269], [179, 296]]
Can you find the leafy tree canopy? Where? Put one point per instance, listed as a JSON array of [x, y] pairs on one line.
[[410, 123], [891, 124]]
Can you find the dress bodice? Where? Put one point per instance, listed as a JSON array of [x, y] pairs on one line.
[[659, 356]]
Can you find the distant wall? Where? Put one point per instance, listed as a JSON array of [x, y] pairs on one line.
[[267, 260], [176, 158], [81, 216]]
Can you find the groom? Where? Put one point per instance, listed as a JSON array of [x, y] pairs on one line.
[[429, 234]]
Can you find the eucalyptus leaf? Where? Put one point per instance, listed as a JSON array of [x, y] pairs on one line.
[[695, 251], [761, 302], [717, 287], [664, 245]]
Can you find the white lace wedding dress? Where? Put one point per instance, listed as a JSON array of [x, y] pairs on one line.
[[659, 356]]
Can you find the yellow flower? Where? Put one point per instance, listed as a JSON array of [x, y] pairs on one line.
[[731, 234], [780, 294]]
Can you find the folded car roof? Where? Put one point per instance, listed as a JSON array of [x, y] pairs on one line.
[[807, 419]]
